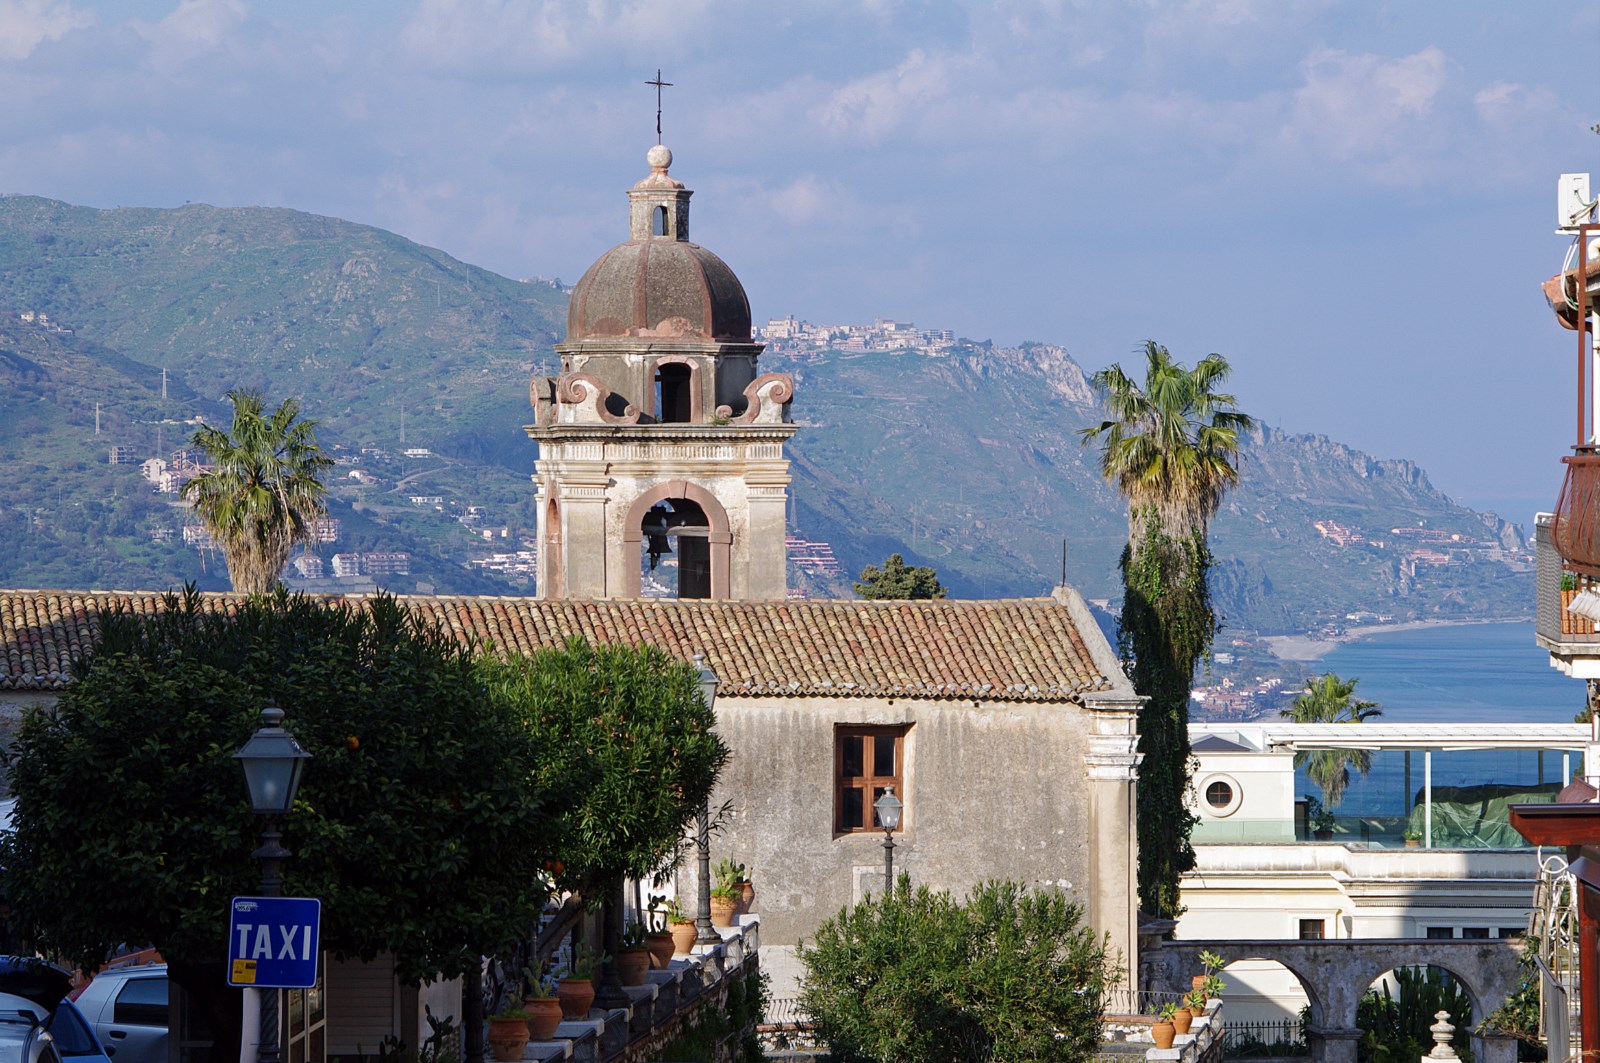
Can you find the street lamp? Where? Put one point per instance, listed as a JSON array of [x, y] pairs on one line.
[[705, 934], [272, 761], [888, 809]]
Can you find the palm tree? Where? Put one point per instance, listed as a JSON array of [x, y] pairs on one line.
[[1329, 699], [1169, 446], [264, 488]]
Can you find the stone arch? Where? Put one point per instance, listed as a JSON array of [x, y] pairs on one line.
[[720, 533], [694, 385]]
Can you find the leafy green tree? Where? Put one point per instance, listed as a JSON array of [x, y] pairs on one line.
[[898, 580], [650, 756], [423, 823], [1329, 699], [264, 490], [1169, 446], [918, 977]]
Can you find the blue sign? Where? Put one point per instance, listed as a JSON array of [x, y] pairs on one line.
[[272, 942]]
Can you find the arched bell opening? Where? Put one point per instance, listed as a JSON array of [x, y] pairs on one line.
[[679, 526], [676, 530]]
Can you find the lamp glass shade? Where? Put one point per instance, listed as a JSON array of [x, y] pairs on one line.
[[272, 761], [708, 682], [888, 809]]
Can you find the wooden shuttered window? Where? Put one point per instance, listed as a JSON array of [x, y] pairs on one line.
[[866, 760]]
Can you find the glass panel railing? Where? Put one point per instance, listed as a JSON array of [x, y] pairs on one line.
[[1446, 799]]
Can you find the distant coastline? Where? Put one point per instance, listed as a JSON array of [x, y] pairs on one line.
[[1312, 648]]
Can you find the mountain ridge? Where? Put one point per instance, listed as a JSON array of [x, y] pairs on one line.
[[390, 342]]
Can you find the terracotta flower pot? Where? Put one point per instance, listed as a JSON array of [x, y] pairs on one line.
[[1198, 984], [1162, 1033], [1198, 1013], [747, 897], [661, 948], [723, 911], [1181, 1021], [544, 1015], [632, 965], [683, 935], [507, 1038], [576, 996]]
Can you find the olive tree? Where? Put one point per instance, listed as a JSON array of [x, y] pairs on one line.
[[423, 821]]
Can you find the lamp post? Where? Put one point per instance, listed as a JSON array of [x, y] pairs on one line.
[[705, 933], [888, 809], [272, 761]]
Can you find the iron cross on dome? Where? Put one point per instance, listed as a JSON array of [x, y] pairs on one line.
[[659, 84]]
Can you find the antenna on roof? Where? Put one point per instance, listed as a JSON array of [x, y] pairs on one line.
[[1063, 562], [659, 84]]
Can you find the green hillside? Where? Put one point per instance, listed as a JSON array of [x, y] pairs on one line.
[[968, 460]]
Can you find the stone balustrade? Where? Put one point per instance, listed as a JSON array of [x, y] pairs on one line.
[[626, 1035]]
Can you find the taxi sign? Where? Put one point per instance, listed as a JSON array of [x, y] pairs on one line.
[[273, 942]]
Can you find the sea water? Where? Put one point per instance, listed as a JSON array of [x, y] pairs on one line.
[[1474, 673]]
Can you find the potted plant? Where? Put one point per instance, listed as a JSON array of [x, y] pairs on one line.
[[1212, 963], [658, 939], [633, 959], [1215, 986], [576, 991], [1413, 837], [1163, 1031], [1196, 1002], [724, 904], [682, 928], [731, 873], [542, 1008], [1320, 819], [1181, 1019], [508, 1035]]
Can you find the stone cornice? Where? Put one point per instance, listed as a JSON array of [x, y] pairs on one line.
[[660, 433]]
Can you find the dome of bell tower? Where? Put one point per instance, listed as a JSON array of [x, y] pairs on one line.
[[658, 285]]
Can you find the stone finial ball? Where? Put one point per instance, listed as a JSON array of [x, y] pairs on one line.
[[659, 157]]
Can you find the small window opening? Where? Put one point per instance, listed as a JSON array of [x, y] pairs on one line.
[[1313, 929], [1219, 794], [673, 399], [658, 221]]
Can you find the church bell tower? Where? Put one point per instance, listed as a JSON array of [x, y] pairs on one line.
[[659, 439]]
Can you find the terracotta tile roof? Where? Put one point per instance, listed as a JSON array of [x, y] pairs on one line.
[[1010, 650]]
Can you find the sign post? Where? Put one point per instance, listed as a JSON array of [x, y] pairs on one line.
[[273, 942]]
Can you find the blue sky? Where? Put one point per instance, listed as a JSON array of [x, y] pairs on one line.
[[1353, 202]]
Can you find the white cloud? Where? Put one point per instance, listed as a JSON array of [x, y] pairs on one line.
[[26, 24], [1377, 112], [510, 35]]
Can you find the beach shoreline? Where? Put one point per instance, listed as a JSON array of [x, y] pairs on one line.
[[1311, 648]]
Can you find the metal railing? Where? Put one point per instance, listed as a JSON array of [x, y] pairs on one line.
[[1123, 1001], [1265, 1040]]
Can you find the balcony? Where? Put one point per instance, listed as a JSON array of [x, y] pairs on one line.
[[1571, 639]]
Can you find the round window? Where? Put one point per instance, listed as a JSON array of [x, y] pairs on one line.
[[1221, 794]]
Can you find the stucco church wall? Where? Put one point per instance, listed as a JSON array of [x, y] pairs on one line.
[[992, 790]]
